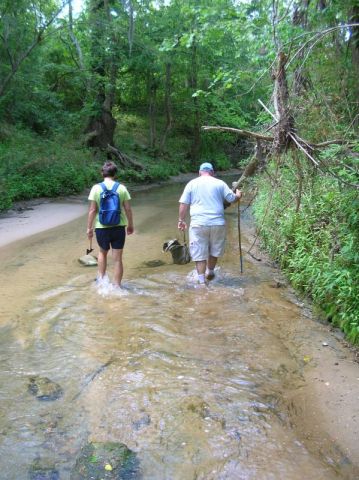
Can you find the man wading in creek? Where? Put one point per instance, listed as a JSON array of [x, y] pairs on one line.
[[112, 235], [206, 195]]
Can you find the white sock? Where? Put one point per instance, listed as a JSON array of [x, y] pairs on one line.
[[210, 272], [201, 278]]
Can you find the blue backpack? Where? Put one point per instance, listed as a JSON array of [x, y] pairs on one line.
[[110, 209]]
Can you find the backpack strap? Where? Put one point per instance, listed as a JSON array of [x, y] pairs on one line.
[[103, 186], [115, 186], [113, 189]]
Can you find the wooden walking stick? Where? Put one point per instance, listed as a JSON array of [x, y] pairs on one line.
[[234, 187], [239, 235]]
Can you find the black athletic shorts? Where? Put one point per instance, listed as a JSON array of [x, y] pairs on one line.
[[112, 236]]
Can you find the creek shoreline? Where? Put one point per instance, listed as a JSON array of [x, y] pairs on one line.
[[29, 217], [328, 403]]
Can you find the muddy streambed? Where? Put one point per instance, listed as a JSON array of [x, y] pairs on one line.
[[197, 383]]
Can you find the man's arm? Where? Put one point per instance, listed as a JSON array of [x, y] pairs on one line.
[[238, 195], [128, 211], [91, 218], [183, 208], [232, 197]]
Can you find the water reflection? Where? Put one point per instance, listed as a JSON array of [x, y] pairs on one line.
[[196, 381]]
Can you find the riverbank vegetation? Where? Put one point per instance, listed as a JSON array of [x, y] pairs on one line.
[[316, 245], [275, 82]]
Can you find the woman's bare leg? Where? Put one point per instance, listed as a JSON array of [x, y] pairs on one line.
[[118, 266]]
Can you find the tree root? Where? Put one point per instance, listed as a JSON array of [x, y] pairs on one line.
[[124, 159]]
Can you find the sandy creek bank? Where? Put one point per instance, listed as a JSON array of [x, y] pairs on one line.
[[323, 408], [29, 217]]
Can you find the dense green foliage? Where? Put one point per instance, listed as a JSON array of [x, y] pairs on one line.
[[32, 167], [143, 76], [317, 244]]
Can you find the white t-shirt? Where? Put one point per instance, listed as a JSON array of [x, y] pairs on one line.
[[206, 195]]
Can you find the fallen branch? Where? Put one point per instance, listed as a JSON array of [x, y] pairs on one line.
[[244, 133], [251, 168], [329, 142], [298, 141]]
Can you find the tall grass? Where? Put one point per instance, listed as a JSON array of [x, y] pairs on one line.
[[317, 245], [32, 167]]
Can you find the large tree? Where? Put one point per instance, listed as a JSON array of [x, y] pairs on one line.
[[23, 27]]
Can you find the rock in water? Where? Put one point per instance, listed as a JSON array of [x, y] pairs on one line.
[[110, 461], [142, 422], [88, 260], [43, 470], [153, 263], [44, 389]]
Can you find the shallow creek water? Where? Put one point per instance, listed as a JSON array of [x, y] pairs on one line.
[[198, 382]]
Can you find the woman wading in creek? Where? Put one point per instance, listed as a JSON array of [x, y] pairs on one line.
[[114, 235]]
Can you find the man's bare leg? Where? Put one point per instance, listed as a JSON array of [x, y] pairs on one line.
[[118, 266], [212, 262], [201, 270]]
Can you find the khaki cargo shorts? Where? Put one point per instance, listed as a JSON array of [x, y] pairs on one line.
[[206, 241]]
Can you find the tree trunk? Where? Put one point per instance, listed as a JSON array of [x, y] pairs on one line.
[[101, 126], [354, 18], [196, 140], [74, 39], [168, 106], [152, 110], [285, 126], [131, 28], [300, 18], [300, 13]]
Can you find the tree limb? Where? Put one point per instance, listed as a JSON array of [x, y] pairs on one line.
[[38, 37], [318, 36], [329, 142], [244, 133], [74, 39]]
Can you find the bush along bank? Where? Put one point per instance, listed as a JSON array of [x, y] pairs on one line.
[[33, 166], [309, 223]]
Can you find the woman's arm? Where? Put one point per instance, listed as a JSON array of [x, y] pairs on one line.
[[128, 211], [91, 218]]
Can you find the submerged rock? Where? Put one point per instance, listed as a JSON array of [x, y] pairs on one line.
[[196, 405], [43, 470], [154, 263], [88, 260], [44, 389], [107, 461], [142, 422]]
